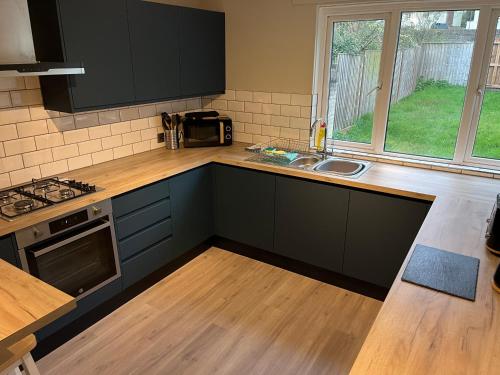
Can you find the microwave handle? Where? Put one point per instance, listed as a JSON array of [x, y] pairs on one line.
[[221, 132], [38, 253]]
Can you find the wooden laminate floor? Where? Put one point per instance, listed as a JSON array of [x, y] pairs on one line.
[[223, 313]]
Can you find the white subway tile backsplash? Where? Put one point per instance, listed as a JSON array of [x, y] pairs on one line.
[[8, 132], [261, 97], [290, 133], [102, 156], [65, 152], [298, 122], [55, 168], [290, 110], [12, 115], [238, 126], [32, 82], [11, 83], [76, 136], [120, 128], [272, 131], [61, 124], [49, 140], [253, 107], [271, 109], [154, 122], [257, 138], [11, 163], [37, 157], [38, 112], [5, 100], [140, 147], [100, 131], [228, 95], [19, 146], [244, 96], [219, 104], [80, 162], [2, 150], [128, 114], [253, 129], [133, 137], [191, 104], [86, 120], [32, 128], [26, 97], [4, 180], [261, 119], [242, 117], [281, 121], [24, 175], [140, 124], [123, 151], [155, 145], [304, 135], [299, 99], [147, 111], [305, 112], [89, 147], [109, 117], [236, 106], [148, 134], [163, 107], [111, 142], [279, 98], [179, 106], [243, 137]]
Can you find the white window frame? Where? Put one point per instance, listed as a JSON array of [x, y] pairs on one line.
[[391, 12]]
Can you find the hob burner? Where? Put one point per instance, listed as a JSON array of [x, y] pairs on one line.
[[66, 193], [4, 197], [24, 205]]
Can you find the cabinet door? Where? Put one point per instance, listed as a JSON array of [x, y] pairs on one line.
[[8, 250], [202, 44], [244, 209], [192, 208], [96, 33], [380, 231], [154, 40], [311, 222]]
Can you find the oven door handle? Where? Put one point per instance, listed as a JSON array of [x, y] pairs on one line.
[[38, 253]]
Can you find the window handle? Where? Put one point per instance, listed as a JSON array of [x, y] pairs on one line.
[[480, 92], [378, 88]]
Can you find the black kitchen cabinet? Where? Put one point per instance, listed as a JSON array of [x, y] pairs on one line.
[[133, 52], [94, 32], [202, 52], [8, 249], [311, 222], [192, 208], [154, 39], [380, 232], [244, 206]]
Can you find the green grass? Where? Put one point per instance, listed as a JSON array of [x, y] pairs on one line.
[[426, 123]]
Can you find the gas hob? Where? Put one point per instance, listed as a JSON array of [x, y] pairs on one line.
[[39, 194]]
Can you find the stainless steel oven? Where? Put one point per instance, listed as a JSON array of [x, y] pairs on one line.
[[76, 252]]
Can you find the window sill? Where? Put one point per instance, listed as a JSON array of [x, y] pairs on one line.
[[444, 167]]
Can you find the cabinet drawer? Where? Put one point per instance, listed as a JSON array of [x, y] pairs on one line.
[[140, 198], [141, 265], [8, 249], [142, 218], [145, 238]]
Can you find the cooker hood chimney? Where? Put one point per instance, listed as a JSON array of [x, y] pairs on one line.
[[17, 52]]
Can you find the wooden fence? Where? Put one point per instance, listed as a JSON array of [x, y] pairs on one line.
[[355, 77]]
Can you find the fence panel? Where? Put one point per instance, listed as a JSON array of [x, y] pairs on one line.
[[494, 68]]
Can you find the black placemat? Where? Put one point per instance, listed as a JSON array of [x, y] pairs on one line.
[[444, 271]]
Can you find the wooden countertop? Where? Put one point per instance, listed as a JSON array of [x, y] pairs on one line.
[[27, 304], [417, 330]]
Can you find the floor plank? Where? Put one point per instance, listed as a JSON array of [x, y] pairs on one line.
[[223, 313]]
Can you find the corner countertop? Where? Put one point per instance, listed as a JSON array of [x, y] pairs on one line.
[[417, 330]]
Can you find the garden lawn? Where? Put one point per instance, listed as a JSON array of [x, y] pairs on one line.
[[426, 123]]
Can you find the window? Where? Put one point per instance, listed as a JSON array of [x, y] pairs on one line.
[[412, 79]]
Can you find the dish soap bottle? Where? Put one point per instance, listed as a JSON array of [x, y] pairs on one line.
[[320, 137]]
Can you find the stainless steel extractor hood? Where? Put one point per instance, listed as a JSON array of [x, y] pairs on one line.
[[17, 52]]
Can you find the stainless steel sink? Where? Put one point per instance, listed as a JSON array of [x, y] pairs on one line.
[[305, 162], [341, 167]]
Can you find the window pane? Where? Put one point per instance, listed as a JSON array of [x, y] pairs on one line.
[[354, 77], [430, 80], [487, 143]]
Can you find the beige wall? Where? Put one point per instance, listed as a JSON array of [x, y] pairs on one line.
[[270, 44]]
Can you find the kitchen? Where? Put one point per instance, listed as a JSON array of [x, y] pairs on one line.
[[173, 258]]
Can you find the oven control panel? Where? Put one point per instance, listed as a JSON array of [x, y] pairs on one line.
[[44, 230]]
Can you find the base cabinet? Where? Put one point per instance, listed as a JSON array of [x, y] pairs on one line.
[[8, 250], [380, 231], [311, 222], [191, 194], [244, 206]]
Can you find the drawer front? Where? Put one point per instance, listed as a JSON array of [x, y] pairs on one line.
[[144, 239], [138, 267], [140, 198], [8, 250], [142, 218]]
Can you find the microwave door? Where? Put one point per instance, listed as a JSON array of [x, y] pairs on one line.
[[206, 133]]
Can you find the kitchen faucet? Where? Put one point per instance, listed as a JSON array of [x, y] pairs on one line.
[[314, 128]]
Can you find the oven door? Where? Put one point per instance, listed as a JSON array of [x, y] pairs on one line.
[[203, 133], [79, 261]]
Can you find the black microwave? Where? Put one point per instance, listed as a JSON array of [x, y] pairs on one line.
[[207, 129]]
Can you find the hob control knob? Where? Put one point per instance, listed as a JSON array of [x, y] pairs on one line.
[[36, 232], [96, 210]]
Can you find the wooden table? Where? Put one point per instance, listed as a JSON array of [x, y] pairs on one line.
[[27, 304]]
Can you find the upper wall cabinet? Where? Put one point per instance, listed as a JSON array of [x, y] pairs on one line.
[[202, 44], [94, 32], [133, 52], [154, 37]]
